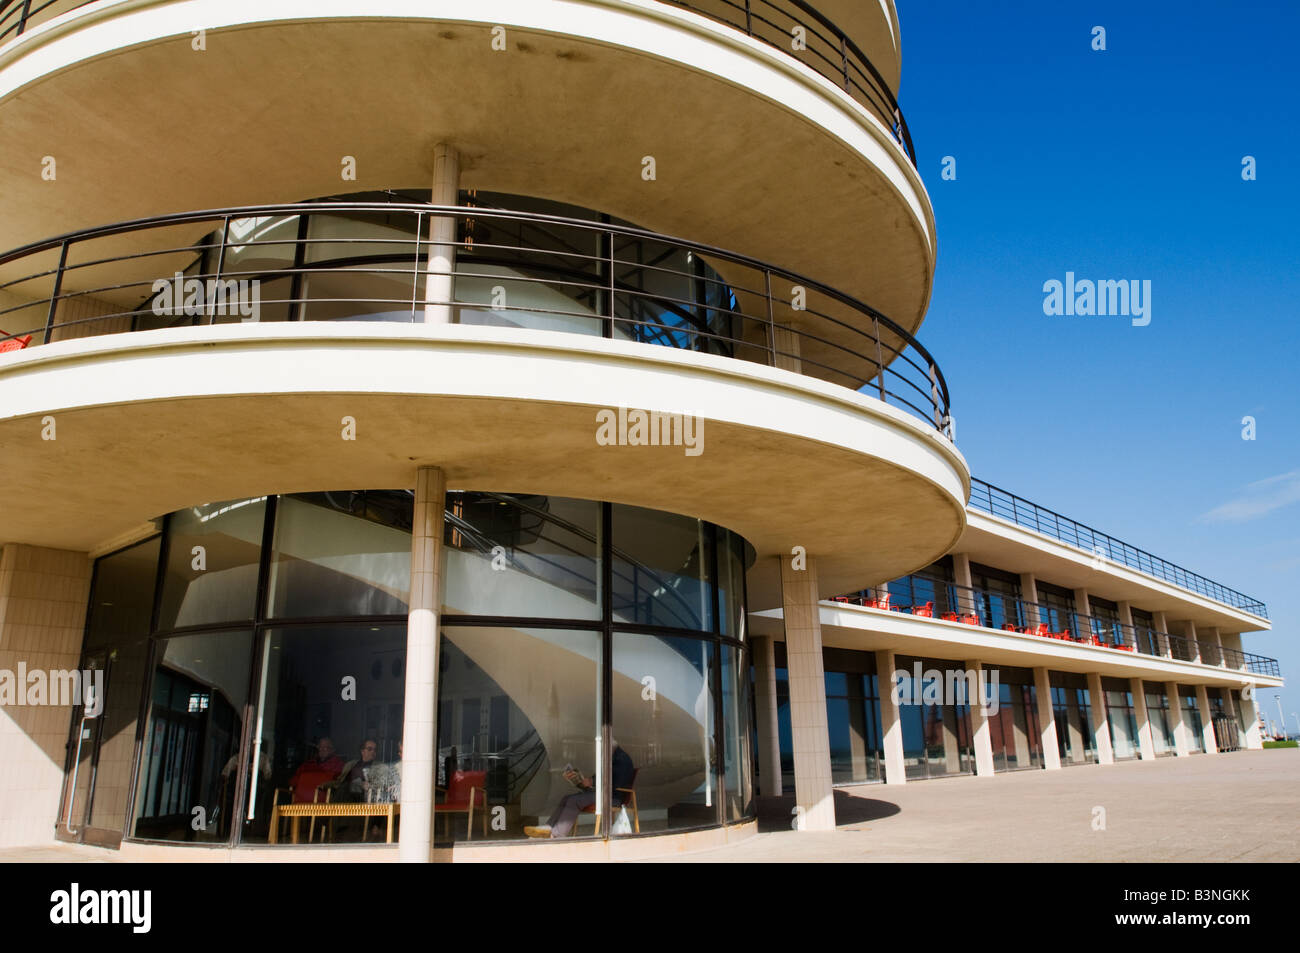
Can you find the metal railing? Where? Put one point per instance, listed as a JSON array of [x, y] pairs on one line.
[[348, 261], [998, 502], [801, 31], [795, 27], [990, 609]]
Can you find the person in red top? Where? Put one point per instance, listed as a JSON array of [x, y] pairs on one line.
[[324, 767]]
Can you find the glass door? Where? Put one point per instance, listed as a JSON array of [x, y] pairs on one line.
[[79, 782]]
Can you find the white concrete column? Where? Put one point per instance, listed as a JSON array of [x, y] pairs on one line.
[[1047, 719], [1100, 720], [1162, 625], [981, 738], [1189, 632], [1207, 720], [814, 795], [1250, 735], [1125, 612], [419, 722], [1019, 727], [1212, 635], [1083, 606], [891, 725], [1177, 723], [438, 285], [1029, 593], [1146, 743], [961, 576], [765, 705]]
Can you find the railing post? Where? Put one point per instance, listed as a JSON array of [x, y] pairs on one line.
[[54, 293], [22, 17], [608, 238], [749, 23], [415, 269], [934, 396], [771, 313], [844, 60], [221, 261], [880, 360]]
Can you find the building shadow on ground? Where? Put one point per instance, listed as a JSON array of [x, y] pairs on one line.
[[777, 813]]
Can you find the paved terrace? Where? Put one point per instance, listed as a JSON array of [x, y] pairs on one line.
[[1240, 806]]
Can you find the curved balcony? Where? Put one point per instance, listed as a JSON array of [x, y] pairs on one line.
[[793, 26], [345, 261], [562, 112]]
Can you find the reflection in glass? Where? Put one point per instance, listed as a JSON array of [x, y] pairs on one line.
[[661, 569], [341, 554], [213, 553], [512, 555], [663, 719], [516, 708], [735, 732], [188, 769]]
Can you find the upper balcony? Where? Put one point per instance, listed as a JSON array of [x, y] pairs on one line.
[[567, 103], [211, 355]]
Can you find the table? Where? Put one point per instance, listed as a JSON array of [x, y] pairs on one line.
[[298, 811]]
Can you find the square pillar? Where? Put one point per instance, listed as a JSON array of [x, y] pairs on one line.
[[1019, 726], [1162, 626], [1189, 633], [891, 725], [1207, 720], [1251, 738], [765, 705], [420, 718], [961, 576], [1029, 593], [43, 598], [1100, 720], [808, 729], [1047, 719], [1146, 744], [1178, 724], [981, 738]]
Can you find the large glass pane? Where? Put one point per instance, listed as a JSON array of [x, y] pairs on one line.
[[663, 720], [342, 554], [734, 556], [213, 552], [511, 555], [191, 745], [661, 569], [519, 709], [329, 728]]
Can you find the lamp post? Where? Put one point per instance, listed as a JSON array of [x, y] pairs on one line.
[[1280, 717], [1297, 723]]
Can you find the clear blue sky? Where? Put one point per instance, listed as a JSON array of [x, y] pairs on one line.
[[1125, 164]]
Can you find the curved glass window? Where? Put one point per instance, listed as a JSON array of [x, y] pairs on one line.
[[278, 681]]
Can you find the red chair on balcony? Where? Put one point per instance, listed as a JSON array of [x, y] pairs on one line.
[[877, 603], [950, 617], [1041, 629], [15, 344], [1008, 627], [970, 618], [926, 610], [467, 790]]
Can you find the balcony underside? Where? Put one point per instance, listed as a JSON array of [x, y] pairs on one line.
[[753, 151], [150, 422]]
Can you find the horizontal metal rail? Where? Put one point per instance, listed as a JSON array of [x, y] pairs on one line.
[[990, 609], [998, 502], [371, 261]]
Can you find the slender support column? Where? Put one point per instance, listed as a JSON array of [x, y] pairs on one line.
[[803, 648], [1100, 720], [769, 736], [1047, 719], [1019, 727], [1207, 720], [1162, 625], [438, 283], [858, 754], [1146, 743], [1178, 724], [951, 750], [1189, 633], [419, 723], [1125, 612], [961, 576], [891, 725], [1029, 593], [1252, 739], [1083, 606], [1212, 635], [979, 724]]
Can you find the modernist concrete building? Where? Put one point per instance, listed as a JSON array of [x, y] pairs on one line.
[[424, 419]]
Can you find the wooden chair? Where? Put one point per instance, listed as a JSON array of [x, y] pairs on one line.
[[465, 791], [629, 802]]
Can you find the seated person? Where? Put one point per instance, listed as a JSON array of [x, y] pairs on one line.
[[326, 766], [566, 812], [362, 772]]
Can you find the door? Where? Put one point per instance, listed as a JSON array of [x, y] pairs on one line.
[[83, 746]]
